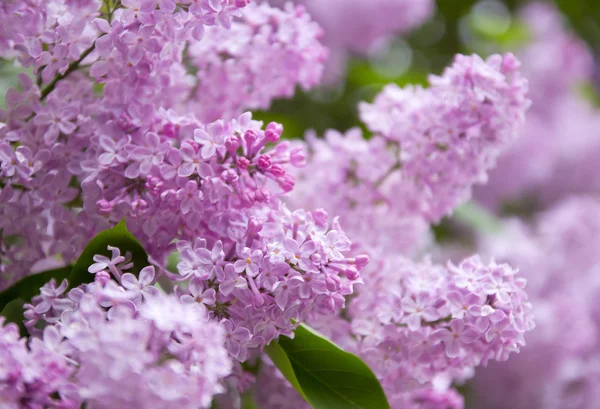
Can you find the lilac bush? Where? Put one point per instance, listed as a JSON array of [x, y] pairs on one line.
[[138, 113]]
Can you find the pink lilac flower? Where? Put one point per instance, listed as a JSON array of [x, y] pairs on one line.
[[165, 353], [56, 119], [132, 361], [198, 294], [142, 284], [448, 136], [33, 372], [263, 56], [115, 264], [446, 343]]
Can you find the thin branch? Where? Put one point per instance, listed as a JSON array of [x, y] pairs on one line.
[[72, 67]]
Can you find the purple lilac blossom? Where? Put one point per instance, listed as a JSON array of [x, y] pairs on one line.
[[421, 326], [430, 145], [467, 315], [77, 159], [263, 56], [109, 130], [446, 137], [129, 347], [34, 374]]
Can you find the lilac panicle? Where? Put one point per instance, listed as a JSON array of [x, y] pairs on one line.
[[447, 137], [262, 56]]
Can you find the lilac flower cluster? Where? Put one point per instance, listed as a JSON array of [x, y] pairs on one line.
[[447, 136], [126, 346], [136, 113], [436, 324], [103, 135], [420, 326], [50, 35], [31, 374], [263, 56], [280, 272], [430, 145], [558, 255]]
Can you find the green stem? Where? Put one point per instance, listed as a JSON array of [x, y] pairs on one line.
[[72, 67]]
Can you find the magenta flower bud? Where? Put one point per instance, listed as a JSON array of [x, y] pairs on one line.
[[275, 127], [271, 136], [104, 207], [124, 122], [258, 300], [29, 314], [333, 283], [139, 206], [262, 195], [286, 183], [154, 185], [248, 198], [331, 304], [193, 144], [298, 158], [351, 273], [264, 162], [362, 260], [255, 224], [170, 130], [277, 170], [241, 3], [250, 137], [242, 163], [320, 216], [229, 176], [102, 277], [232, 144]]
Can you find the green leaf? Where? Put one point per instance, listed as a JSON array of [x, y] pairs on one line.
[[13, 311], [282, 362], [584, 17], [119, 237], [172, 261], [326, 376], [29, 286]]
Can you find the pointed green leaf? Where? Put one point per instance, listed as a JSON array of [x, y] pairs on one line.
[[119, 237], [29, 286], [324, 374], [13, 311], [282, 362]]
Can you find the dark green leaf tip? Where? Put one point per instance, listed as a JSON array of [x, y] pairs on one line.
[[326, 376]]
